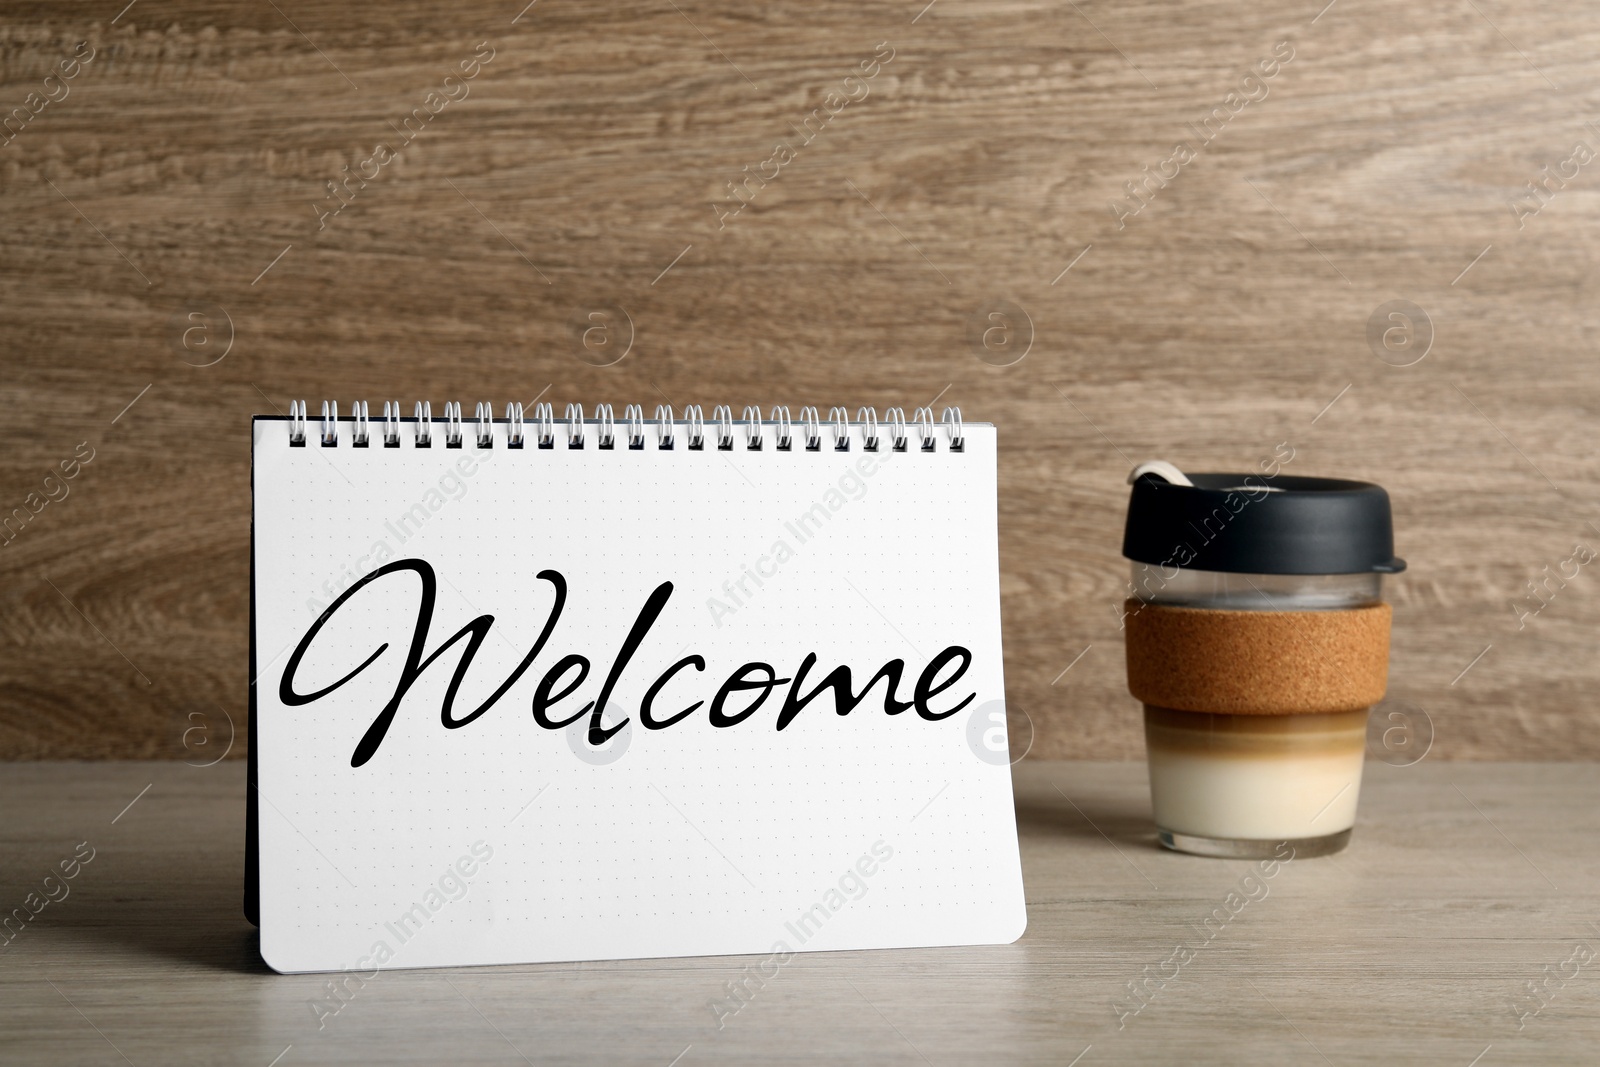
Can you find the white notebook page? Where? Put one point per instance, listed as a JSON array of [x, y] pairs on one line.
[[502, 840]]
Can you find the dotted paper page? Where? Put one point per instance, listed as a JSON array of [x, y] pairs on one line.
[[501, 840]]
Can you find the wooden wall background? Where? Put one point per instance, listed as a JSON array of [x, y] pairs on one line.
[[179, 174]]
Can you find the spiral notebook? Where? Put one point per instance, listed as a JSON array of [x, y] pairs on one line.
[[547, 689]]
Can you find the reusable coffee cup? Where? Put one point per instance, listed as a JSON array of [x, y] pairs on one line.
[[1257, 639]]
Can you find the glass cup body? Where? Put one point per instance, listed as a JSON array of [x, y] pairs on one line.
[[1238, 785]]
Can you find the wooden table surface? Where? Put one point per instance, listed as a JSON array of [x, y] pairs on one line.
[[1464, 884]]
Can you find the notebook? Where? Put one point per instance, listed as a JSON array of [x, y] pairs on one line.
[[543, 689]]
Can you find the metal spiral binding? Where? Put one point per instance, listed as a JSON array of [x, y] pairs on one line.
[[924, 417], [952, 425], [574, 425], [513, 426], [391, 424], [696, 421], [813, 429], [894, 434], [633, 415], [544, 418], [424, 424], [724, 419], [868, 418], [839, 420], [330, 423], [452, 424], [783, 434], [483, 421], [896, 417]]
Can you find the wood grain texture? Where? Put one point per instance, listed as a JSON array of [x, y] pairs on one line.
[[1416, 945], [187, 169]]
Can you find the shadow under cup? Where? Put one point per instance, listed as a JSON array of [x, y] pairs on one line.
[[1237, 785]]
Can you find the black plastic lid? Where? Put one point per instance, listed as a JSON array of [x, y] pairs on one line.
[[1253, 524]]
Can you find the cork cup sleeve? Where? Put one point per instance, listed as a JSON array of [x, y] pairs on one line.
[[1258, 662]]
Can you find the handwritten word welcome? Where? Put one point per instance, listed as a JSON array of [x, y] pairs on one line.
[[569, 672]]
